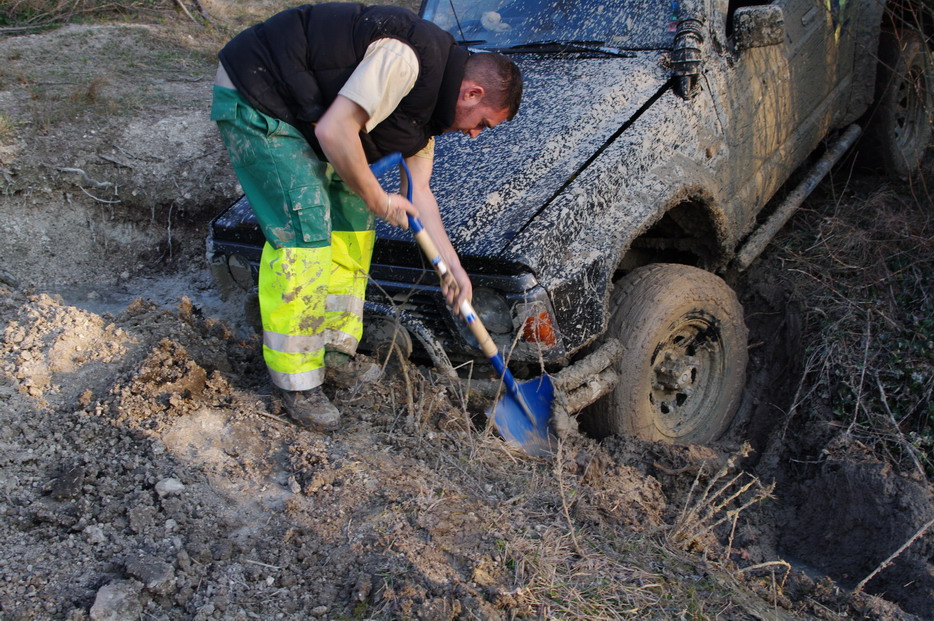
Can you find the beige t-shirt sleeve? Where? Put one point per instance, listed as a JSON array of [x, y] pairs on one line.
[[385, 75], [428, 151]]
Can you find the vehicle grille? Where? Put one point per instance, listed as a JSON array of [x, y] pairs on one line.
[[419, 301]]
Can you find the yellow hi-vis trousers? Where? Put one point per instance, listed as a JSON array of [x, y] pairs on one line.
[[311, 301], [319, 242]]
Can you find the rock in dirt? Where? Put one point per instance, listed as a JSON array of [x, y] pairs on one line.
[[117, 601], [68, 483], [169, 487], [157, 575]]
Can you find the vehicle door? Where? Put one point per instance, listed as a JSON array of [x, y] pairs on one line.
[[773, 93]]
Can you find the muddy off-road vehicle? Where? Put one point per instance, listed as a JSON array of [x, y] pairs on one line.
[[659, 144]]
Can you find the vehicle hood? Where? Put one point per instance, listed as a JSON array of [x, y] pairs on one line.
[[489, 188]]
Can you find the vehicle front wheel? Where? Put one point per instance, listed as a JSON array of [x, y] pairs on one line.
[[899, 129], [684, 363]]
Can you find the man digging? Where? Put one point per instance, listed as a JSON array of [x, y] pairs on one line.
[[304, 101]]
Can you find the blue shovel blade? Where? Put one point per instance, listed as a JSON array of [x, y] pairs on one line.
[[523, 428]]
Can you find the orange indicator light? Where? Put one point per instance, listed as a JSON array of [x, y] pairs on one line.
[[538, 329]]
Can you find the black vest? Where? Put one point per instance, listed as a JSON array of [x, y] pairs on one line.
[[292, 66]]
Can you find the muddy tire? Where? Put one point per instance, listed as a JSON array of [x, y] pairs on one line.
[[899, 128], [684, 362]]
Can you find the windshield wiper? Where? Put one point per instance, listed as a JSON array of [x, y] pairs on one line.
[[560, 45]]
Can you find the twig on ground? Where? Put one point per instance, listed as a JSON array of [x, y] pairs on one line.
[[202, 12], [271, 416], [86, 178], [267, 566], [409, 391], [100, 200], [115, 161], [729, 543], [862, 373], [196, 78], [464, 398], [759, 566], [700, 516], [168, 229], [182, 6], [891, 559], [809, 366], [14, 29], [906, 445], [559, 471]]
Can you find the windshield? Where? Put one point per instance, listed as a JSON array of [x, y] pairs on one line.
[[619, 24]]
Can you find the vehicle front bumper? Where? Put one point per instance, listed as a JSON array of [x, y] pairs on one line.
[[579, 384]]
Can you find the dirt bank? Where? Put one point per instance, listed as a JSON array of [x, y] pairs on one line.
[[148, 470]]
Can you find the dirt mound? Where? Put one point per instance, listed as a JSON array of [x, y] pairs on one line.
[[161, 476], [845, 522]]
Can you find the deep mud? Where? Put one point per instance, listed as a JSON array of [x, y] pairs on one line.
[[148, 470]]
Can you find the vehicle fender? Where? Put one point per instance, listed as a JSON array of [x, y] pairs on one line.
[[699, 214], [576, 243]]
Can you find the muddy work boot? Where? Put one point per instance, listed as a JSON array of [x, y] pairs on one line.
[[346, 371], [311, 409], [334, 359]]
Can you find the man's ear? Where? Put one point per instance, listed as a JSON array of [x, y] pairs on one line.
[[471, 91]]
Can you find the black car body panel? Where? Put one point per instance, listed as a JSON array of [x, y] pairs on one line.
[[491, 187]]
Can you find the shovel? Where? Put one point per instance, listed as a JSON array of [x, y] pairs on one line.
[[522, 415]]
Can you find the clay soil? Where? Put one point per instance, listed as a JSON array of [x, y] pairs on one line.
[[150, 472]]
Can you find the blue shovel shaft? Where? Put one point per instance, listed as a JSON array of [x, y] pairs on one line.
[[492, 353]]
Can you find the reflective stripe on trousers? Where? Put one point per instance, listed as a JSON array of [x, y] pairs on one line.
[[311, 300]]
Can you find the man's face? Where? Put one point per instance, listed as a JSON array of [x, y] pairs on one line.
[[474, 120], [472, 115]]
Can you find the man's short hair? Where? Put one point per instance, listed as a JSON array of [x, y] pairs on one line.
[[499, 77]]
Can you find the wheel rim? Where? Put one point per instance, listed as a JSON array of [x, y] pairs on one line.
[[910, 108], [687, 367]]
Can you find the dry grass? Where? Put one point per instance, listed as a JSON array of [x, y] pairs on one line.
[[726, 495], [7, 133], [40, 13], [227, 15], [563, 562], [91, 94], [598, 583], [861, 263], [10, 145], [7, 129]]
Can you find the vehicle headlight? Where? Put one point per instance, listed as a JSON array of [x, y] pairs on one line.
[[493, 311]]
